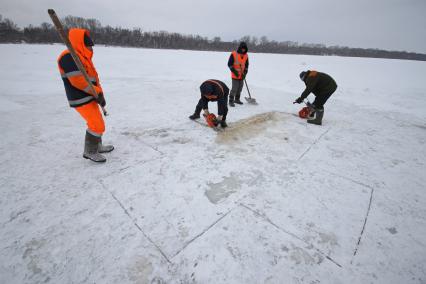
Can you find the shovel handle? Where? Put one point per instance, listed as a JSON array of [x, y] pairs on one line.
[[60, 29], [248, 91]]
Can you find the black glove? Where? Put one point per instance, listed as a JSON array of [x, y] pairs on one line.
[[235, 72], [215, 122], [299, 100], [101, 100], [245, 73]]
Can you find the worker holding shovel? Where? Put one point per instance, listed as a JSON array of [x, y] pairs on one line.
[[85, 96], [238, 63]]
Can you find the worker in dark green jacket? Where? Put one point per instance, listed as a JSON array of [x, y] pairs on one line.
[[322, 86]]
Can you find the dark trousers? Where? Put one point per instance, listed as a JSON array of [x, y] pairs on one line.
[[222, 105], [322, 98], [237, 87]]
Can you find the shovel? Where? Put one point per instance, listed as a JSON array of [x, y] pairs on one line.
[[250, 100]]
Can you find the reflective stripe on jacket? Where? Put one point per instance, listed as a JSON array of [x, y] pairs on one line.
[[239, 64], [77, 89]]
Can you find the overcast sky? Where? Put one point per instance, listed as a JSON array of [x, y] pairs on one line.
[[386, 24]]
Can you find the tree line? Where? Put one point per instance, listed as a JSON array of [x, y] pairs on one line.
[[136, 37]]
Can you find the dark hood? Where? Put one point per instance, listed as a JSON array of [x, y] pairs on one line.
[[241, 46], [206, 89]]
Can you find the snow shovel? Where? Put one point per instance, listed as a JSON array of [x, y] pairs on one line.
[[250, 100]]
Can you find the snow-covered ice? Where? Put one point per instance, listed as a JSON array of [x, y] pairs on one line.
[[270, 200]]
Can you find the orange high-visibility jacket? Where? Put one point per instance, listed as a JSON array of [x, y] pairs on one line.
[[239, 64], [76, 87]]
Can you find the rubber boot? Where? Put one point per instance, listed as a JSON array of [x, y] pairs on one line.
[[91, 145], [238, 101], [221, 120], [196, 114], [317, 117], [311, 109], [231, 101], [104, 148]]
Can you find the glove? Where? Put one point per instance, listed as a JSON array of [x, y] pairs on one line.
[[101, 100], [235, 72], [299, 100], [245, 73]]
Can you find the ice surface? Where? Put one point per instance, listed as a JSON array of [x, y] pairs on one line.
[[270, 200]]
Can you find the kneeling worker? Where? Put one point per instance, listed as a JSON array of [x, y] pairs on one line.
[[212, 91], [322, 86]]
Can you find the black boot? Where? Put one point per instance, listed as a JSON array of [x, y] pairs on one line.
[[317, 117], [91, 145], [238, 101], [196, 114], [231, 101], [223, 124]]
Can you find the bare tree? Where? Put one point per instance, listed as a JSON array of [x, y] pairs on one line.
[[45, 33]]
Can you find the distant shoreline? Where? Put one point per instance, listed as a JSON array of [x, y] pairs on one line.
[[137, 38]]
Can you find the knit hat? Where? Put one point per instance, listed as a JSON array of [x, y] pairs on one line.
[[206, 89], [242, 46], [302, 75]]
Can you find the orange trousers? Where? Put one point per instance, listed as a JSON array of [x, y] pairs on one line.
[[93, 116]]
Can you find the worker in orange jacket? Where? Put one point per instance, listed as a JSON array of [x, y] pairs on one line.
[[238, 63], [79, 95]]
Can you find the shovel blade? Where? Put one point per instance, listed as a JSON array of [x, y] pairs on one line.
[[251, 101]]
